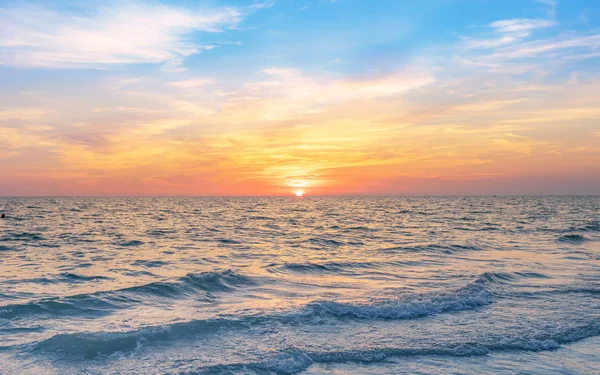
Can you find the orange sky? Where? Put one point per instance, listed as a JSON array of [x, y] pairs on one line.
[[519, 115]]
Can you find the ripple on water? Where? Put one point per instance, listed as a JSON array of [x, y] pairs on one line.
[[277, 285]]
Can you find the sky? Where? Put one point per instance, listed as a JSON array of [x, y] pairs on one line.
[[331, 97]]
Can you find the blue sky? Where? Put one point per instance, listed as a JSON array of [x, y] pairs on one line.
[[340, 37], [96, 92]]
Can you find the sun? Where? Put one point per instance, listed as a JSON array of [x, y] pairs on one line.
[[299, 193]]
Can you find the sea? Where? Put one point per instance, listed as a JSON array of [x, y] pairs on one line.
[[312, 285]]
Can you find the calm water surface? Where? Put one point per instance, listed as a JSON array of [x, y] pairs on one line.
[[314, 285]]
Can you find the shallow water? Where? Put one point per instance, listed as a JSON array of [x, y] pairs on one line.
[[313, 285]]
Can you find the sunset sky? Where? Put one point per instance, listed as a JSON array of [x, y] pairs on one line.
[[345, 97]]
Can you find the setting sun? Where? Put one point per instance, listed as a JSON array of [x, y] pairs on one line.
[[299, 193]]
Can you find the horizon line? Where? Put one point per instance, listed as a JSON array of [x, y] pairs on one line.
[[305, 196]]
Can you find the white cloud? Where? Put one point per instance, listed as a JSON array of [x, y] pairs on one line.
[[535, 48], [510, 31], [536, 56], [294, 84], [289, 92], [515, 49], [521, 26], [116, 33]]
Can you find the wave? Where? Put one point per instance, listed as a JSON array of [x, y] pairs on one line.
[[573, 238], [592, 226], [495, 282], [160, 232], [65, 277], [322, 242], [24, 236], [593, 290], [261, 218], [105, 302], [130, 243], [228, 241], [473, 296], [540, 342], [92, 344], [74, 305], [76, 277], [294, 360], [447, 249], [191, 283], [88, 345], [149, 263], [406, 310], [496, 277], [337, 267]]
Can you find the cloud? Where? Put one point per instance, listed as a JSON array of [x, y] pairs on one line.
[[591, 42], [539, 56], [552, 4], [510, 31], [126, 109], [520, 26], [329, 134], [289, 92], [109, 34], [515, 49], [192, 83], [124, 82], [23, 113]]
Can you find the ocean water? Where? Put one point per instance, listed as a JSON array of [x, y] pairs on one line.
[[462, 285]]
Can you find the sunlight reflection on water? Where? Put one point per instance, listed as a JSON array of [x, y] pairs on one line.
[[284, 285]]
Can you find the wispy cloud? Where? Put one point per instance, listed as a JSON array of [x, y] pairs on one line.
[[289, 92], [529, 45], [521, 27], [29, 113], [192, 83], [510, 31], [552, 5], [108, 34], [538, 56]]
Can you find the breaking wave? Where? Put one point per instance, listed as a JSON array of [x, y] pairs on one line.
[[92, 344]]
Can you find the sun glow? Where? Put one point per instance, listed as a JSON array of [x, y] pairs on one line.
[[299, 193]]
